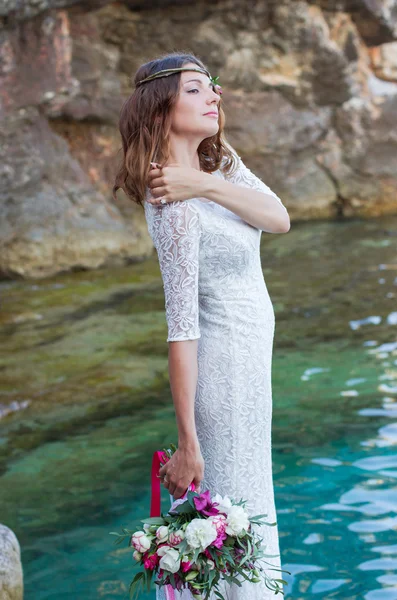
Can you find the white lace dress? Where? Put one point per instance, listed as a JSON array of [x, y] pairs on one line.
[[215, 292]]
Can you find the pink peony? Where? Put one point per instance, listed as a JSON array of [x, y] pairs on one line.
[[186, 565], [218, 543], [151, 562], [219, 522], [140, 541], [204, 504], [175, 537]]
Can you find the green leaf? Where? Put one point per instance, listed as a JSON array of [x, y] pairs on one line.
[[133, 589], [153, 520], [248, 555], [149, 579], [190, 495], [211, 576], [182, 547], [169, 519], [137, 577], [235, 580], [242, 573], [184, 508], [121, 537], [230, 541], [281, 581], [196, 554]]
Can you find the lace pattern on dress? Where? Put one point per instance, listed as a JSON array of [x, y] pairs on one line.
[[175, 231], [246, 178]]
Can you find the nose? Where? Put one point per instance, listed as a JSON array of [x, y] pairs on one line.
[[214, 97]]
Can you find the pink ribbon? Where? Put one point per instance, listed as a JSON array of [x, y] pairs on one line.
[[155, 503]]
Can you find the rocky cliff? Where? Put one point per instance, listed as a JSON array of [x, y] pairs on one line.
[[310, 93]]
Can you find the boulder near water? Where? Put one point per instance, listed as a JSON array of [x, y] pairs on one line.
[[11, 575]]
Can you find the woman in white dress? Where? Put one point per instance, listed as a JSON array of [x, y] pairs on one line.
[[205, 212]]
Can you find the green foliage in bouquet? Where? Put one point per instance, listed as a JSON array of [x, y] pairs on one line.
[[199, 542]]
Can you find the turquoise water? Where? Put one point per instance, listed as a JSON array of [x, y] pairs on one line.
[[85, 400]]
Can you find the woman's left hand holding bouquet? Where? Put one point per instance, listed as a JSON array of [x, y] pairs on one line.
[[185, 466]]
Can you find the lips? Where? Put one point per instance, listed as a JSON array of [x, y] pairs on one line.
[[211, 114]]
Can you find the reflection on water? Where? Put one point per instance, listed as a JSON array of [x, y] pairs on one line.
[[365, 471], [85, 400]]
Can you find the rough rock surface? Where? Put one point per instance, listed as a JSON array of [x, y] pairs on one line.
[[11, 576], [310, 93]]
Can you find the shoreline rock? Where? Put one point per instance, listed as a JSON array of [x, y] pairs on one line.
[[11, 575]]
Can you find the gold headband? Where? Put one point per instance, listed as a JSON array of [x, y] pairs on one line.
[[166, 72]]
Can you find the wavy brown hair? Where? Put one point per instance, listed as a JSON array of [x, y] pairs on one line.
[[145, 123]]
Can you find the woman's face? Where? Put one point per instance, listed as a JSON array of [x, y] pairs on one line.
[[196, 98]]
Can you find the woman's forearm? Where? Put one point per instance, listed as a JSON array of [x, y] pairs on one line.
[[183, 372], [256, 208]]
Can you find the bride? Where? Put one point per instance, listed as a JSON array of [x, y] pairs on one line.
[[205, 212]]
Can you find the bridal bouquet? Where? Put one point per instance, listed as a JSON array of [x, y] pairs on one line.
[[200, 541]]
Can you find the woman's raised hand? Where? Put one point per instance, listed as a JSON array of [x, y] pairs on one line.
[[185, 466], [174, 183]]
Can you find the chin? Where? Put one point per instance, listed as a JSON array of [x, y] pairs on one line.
[[210, 131]]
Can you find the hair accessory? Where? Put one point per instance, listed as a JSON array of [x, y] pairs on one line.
[[214, 80], [166, 72]]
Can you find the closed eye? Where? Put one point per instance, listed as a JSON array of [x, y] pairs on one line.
[[196, 90]]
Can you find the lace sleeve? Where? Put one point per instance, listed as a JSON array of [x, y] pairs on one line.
[[245, 177], [175, 231]]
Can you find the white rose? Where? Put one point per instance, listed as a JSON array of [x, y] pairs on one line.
[[136, 555], [225, 503], [237, 520], [170, 561], [140, 541], [162, 534], [200, 533], [162, 550]]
